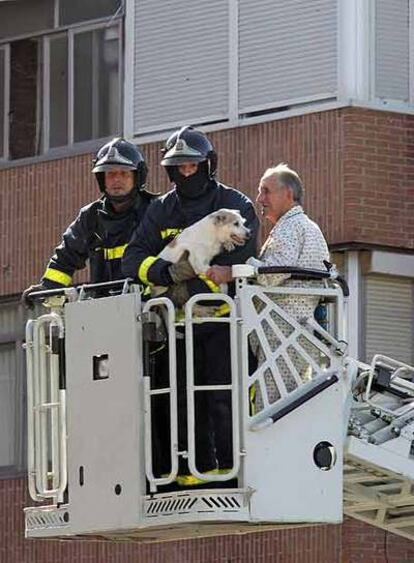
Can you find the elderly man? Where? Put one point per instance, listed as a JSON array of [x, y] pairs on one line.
[[296, 241]]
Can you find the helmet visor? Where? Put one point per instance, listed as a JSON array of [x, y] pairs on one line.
[[181, 152], [108, 166], [176, 160]]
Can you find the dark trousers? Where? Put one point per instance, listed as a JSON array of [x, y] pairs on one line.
[[213, 412]]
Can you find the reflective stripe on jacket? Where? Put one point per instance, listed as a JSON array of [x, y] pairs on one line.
[[98, 235], [169, 215]]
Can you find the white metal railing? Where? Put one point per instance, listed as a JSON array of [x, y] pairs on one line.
[[243, 317], [171, 390], [232, 387], [301, 346], [46, 409], [46, 398]]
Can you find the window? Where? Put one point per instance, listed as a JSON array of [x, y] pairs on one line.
[[96, 84], [24, 17], [74, 11], [3, 96], [18, 17], [389, 313], [8, 398], [11, 389], [60, 89], [25, 76]]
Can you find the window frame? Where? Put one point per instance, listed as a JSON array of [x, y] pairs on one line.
[[6, 109], [45, 36], [16, 338]]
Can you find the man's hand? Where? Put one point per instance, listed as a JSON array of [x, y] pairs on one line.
[[182, 270], [220, 274], [25, 299]]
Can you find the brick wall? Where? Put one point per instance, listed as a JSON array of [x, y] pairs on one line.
[[353, 542], [357, 165], [358, 170], [378, 177], [365, 544]]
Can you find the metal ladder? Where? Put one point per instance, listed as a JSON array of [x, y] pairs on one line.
[[153, 306], [191, 388], [46, 408]]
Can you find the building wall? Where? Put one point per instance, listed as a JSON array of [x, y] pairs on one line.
[[357, 165], [352, 542], [378, 176]]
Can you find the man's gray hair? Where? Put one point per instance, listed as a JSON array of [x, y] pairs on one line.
[[289, 178]]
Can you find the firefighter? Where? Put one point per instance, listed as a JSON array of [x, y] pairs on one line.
[[191, 162], [103, 228]]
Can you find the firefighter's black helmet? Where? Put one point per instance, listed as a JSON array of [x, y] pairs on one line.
[[120, 153], [189, 145]]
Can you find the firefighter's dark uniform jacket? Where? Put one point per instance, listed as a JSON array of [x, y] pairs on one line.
[[99, 235], [164, 219], [168, 216]]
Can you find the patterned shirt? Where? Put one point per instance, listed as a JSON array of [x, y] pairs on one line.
[[296, 241]]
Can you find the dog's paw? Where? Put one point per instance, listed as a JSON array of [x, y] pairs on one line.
[[205, 310], [158, 290]]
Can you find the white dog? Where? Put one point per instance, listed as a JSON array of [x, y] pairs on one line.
[[221, 230]]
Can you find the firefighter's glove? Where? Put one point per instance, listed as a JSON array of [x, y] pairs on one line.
[[182, 270], [25, 299], [178, 293]]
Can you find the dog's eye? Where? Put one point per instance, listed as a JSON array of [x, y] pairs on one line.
[[236, 223]]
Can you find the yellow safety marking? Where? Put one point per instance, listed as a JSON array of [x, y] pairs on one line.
[[115, 252], [165, 233], [144, 267], [222, 310], [252, 399], [209, 282], [57, 276]]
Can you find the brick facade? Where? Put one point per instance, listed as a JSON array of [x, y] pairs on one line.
[[378, 177], [352, 542], [357, 165], [358, 169]]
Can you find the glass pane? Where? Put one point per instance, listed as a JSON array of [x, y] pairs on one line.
[[58, 92], [96, 90], [73, 11], [7, 404], [25, 81], [108, 107], [2, 77], [83, 87], [25, 17]]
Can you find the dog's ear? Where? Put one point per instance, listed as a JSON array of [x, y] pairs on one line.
[[219, 218], [239, 216]]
